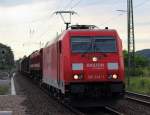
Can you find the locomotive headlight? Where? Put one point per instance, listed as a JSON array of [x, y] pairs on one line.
[[114, 76], [76, 76], [94, 59]]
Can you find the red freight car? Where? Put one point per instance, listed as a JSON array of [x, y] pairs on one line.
[[84, 61], [35, 64]]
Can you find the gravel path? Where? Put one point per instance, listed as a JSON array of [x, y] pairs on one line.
[[36, 101], [12, 103]]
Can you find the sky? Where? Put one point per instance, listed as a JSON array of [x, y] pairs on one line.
[[27, 25]]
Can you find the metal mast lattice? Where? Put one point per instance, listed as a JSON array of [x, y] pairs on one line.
[[131, 41]]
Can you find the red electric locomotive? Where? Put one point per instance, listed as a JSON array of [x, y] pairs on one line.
[[84, 62]]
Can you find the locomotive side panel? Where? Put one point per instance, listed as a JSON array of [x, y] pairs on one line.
[[50, 65], [121, 60]]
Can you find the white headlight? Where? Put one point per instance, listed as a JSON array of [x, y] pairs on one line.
[[76, 77], [114, 76], [94, 59]]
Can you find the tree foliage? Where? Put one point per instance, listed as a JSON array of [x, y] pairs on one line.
[[6, 57], [140, 61]]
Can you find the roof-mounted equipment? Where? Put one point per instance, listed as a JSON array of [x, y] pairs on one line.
[[106, 28], [83, 26]]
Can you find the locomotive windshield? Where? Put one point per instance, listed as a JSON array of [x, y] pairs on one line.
[[87, 44]]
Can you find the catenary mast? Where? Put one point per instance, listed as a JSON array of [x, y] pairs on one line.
[[131, 41]]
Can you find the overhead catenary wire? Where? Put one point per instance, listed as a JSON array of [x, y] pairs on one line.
[[111, 19], [142, 3], [115, 17], [48, 28], [68, 5], [41, 19], [76, 4], [43, 33], [73, 6], [136, 6]]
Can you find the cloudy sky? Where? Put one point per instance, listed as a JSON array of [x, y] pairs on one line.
[[26, 25]]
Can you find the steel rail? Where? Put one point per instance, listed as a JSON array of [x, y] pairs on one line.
[[74, 110], [137, 94], [143, 99], [113, 111]]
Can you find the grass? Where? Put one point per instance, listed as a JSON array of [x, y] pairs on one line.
[[139, 85], [4, 90]]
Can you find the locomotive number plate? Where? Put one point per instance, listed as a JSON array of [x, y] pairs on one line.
[[96, 76], [95, 65]]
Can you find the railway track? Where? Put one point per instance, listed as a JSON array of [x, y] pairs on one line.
[[72, 109], [107, 110], [113, 111], [143, 99]]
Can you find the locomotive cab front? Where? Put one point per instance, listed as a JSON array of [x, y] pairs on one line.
[[94, 65]]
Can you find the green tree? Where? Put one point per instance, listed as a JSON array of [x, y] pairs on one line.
[[140, 61], [6, 57]]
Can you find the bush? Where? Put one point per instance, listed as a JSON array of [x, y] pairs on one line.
[[139, 85], [136, 72], [4, 90]]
